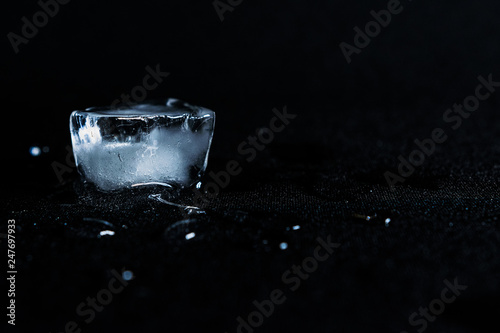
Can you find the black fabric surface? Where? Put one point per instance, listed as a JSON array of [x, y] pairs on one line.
[[321, 177], [444, 225]]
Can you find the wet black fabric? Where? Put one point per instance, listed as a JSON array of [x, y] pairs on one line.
[[398, 249]]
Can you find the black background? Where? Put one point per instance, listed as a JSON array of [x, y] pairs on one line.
[[353, 121]]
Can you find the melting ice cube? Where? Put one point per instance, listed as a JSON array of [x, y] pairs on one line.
[[165, 143]]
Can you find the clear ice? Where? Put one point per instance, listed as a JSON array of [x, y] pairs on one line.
[[158, 143]]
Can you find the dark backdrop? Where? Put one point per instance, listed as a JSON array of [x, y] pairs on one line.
[[259, 57], [323, 172]]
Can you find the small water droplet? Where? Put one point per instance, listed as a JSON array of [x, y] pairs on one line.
[[35, 151], [188, 209], [106, 233], [364, 217], [283, 246], [296, 227], [190, 235], [128, 275]]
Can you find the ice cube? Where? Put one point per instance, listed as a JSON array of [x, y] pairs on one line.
[[156, 143]]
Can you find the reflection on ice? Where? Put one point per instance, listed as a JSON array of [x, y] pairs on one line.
[[283, 246]]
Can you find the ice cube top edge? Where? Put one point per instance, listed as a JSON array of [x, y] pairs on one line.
[[171, 107]]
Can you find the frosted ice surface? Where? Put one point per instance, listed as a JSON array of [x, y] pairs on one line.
[[164, 143]]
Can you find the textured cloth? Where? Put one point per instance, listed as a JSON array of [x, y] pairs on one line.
[[443, 225]]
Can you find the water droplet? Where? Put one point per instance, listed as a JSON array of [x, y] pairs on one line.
[[283, 246], [35, 151], [190, 235], [364, 217], [387, 221], [91, 219], [296, 227], [106, 233], [90, 227], [128, 275], [179, 223]]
